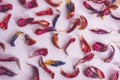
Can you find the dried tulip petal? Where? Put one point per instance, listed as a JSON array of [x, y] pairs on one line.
[[50, 2], [100, 31], [113, 7], [54, 63], [32, 4], [94, 72], [110, 58], [12, 41], [83, 22], [2, 45], [72, 40], [22, 2], [115, 76], [88, 6], [6, 7], [115, 17], [76, 23], [36, 70], [100, 47], [43, 23], [29, 41], [43, 31], [48, 12], [56, 18], [38, 52], [6, 71], [70, 75], [42, 64], [24, 21], [71, 9], [4, 24], [11, 59], [84, 45], [55, 41], [87, 58]]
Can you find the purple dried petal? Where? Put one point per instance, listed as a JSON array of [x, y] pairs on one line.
[[100, 31]]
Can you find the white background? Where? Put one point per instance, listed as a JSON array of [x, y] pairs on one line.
[[22, 51]]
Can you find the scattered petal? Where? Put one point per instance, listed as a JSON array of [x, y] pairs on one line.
[[54, 63], [38, 52], [50, 2], [29, 41], [97, 46], [42, 64], [2, 45]]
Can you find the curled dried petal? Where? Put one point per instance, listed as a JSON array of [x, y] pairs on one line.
[[115, 17], [24, 21], [84, 45], [100, 47], [42, 31], [83, 22], [113, 7], [110, 58], [115, 76], [55, 41], [11, 59], [71, 9], [42, 64], [72, 40], [88, 6], [76, 23], [7, 72], [100, 31], [71, 75], [38, 52], [50, 2], [2, 45], [94, 72], [43, 23], [36, 70], [32, 4], [4, 23], [56, 18], [84, 59], [6, 7], [54, 63], [29, 41], [12, 41], [48, 12]]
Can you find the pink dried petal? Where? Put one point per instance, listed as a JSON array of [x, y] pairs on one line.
[[22, 2], [84, 45], [71, 75], [24, 21], [6, 7], [115, 76], [48, 12], [72, 40], [84, 59], [42, 64], [111, 56], [41, 51], [32, 4], [42, 31], [100, 47], [94, 72]]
